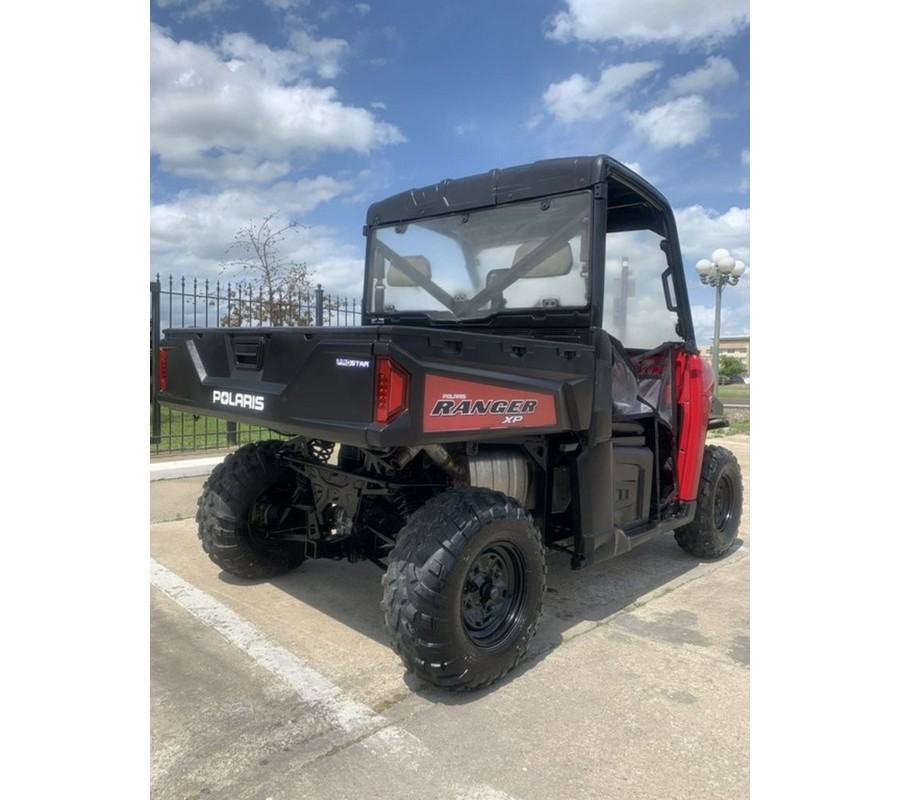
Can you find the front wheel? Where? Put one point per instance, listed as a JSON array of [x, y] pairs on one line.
[[464, 588], [719, 500]]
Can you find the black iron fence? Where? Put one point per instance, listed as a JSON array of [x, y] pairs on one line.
[[192, 303]]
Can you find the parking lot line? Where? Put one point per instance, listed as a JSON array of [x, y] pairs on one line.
[[341, 710], [373, 731]]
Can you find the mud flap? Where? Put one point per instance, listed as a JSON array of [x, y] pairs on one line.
[[596, 536]]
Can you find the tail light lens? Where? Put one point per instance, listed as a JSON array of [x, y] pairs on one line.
[[391, 390], [163, 368]]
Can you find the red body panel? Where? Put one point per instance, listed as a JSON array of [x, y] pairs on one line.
[[694, 379], [456, 405]]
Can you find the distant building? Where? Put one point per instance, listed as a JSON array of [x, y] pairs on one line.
[[736, 346]]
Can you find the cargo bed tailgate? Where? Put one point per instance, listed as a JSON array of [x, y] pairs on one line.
[[320, 382], [285, 379]]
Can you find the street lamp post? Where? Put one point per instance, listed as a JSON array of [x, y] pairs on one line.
[[719, 272]]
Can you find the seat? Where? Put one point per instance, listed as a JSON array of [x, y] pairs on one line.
[[628, 434]]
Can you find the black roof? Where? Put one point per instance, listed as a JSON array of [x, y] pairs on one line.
[[539, 179]]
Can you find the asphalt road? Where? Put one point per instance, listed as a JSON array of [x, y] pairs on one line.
[[636, 685]]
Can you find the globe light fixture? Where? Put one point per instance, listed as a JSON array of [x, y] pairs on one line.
[[720, 270]]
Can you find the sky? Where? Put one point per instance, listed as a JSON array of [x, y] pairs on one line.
[[314, 110]]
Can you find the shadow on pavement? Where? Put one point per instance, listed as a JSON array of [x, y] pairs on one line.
[[351, 594]]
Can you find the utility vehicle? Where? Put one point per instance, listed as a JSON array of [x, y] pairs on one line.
[[525, 378]]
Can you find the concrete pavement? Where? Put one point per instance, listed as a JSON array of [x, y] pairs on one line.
[[170, 468], [635, 686]]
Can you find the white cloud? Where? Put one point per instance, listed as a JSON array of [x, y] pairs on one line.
[[701, 230], [324, 54], [679, 123], [745, 157], [643, 21], [716, 72], [244, 112], [362, 9], [578, 97], [190, 234], [240, 51]]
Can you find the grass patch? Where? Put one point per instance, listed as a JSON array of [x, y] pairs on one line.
[[735, 426], [181, 432], [734, 391]]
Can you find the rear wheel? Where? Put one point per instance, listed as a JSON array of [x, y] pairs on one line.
[[719, 500], [245, 509], [464, 588]]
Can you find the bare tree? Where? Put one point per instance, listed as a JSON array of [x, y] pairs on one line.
[[275, 284]]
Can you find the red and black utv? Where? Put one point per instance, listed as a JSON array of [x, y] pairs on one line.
[[525, 378]]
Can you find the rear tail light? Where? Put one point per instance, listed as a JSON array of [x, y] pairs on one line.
[[391, 390], [163, 368]]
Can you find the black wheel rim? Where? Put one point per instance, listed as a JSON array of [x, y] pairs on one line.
[[723, 505], [493, 595]]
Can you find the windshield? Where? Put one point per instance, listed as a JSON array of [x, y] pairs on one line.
[[531, 255]]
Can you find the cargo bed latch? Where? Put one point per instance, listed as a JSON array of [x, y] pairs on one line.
[[249, 355]]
